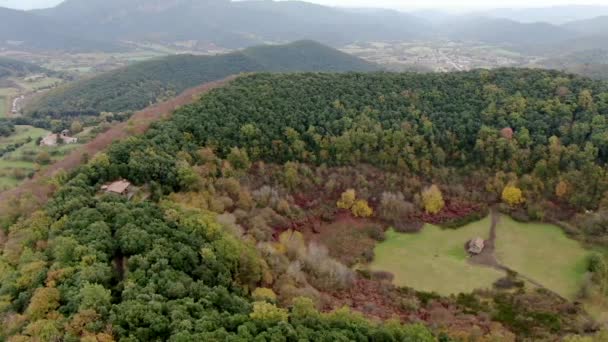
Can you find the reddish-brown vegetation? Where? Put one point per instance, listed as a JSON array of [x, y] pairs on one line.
[[385, 301], [453, 210], [348, 239]]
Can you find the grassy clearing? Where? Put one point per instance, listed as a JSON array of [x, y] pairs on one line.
[[544, 253], [435, 259], [37, 84], [8, 92], [23, 132], [21, 162]]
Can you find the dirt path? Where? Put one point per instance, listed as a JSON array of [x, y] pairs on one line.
[[488, 257], [39, 186]]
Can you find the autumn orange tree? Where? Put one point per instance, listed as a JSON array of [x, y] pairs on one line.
[[561, 189]]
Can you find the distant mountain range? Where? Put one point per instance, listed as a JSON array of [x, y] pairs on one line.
[[230, 24], [108, 24], [554, 15], [139, 85], [25, 30]]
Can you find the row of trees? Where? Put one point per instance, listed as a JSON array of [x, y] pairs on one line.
[[7, 128]]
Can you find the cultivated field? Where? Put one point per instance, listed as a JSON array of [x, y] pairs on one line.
[[543, 253], [435, 259]]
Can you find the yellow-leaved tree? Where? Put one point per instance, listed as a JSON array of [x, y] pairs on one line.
[[361, 209], [268, 313], [432, 199], [512, 195], [262, 294], [347, 200]]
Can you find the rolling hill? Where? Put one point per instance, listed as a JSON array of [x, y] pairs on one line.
[[136, 86], [106, 25], [504, 31], [591, 26], [12, 67], [204, 248], [26, 30], [555, 14], [231, 24]]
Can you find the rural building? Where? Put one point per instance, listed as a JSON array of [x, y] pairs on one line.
[[67, 139], [476, 245], [120, 187], [53, 139], [49, 140]]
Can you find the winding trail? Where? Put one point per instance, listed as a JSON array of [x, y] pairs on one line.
[[488, 257]]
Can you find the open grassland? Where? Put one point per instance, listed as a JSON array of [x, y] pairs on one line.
[[23, 132], [435, 259], [543, 253], [8, 92]]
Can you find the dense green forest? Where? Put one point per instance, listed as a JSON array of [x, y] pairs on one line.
[[139, 85], [205, 250], [420, 124]]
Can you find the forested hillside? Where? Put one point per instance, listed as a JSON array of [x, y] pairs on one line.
[[421, 123], [11, 67], [205, 249], [26, 30], [139, 85], [231, 24]]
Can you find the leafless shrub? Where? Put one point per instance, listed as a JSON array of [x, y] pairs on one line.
[[295, 272], [266, 196], [324, 272], [228, 221]]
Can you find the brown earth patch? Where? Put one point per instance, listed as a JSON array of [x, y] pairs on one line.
[[139, 123], [348, 239]]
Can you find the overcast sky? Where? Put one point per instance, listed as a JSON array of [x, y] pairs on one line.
[[397, 4]]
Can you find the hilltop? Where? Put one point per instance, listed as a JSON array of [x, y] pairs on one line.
[[247, 209], [231, 24], [26, 30], [136, 86]]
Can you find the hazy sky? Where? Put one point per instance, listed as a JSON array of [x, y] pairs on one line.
[[397, 4]]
